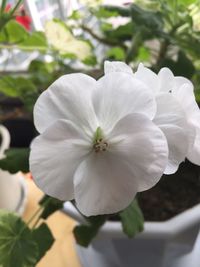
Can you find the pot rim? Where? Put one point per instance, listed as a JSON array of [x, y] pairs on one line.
[[165, 229]]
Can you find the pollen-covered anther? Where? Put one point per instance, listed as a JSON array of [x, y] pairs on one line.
[[100, 145]]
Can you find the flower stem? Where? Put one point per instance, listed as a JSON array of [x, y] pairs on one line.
[[16, 7], [37, 213], [102, 39], [3, 5], [134, 47], [34, 215]]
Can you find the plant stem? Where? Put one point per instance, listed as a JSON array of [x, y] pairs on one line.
[[164, 48], [36, 223], [102, 39], [3, 5], [16, 7], [134, 47], [162, 53], [34, 215]]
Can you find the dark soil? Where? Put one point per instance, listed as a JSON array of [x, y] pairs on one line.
[[172, 195]]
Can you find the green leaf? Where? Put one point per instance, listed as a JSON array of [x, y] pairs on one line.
[[16, 87], [85, 233], [50, 205], [76, 15], [36, 41], [42, 66], [17, 159], [182, 67], [44, 239], [132, 220], [17, 247], [105, 26], [19, 87], [143, 54], [116, 53], [42, 74], [151, 20], [182, 2], [103, 12], [107, 11], [16, 33], [121, 33], [90, 61]]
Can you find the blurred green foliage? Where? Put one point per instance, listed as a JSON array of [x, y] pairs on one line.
[[158, 32], [20, 245]]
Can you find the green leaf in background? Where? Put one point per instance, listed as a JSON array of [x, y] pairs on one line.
[[182, 67], [15, 32], [36, 41], [103, 12], [17, 159], [85, 233], [42, 74], [105, 26], [44, 239], [16, 87], [17, 247], [181, 2], [121, 33], [143, 54], [76, 15], [151, 20], [50, 205], [107, 11], [20, 87], [90, 61], [116, 53], [132, 220]]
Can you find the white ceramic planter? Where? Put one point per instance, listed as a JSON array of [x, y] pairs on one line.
[[161, 244], [12, 187]]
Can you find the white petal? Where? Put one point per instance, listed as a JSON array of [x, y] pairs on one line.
[[166, 80], [103, 185], [194, 152], [116, 66], [119, 94], [148, 77], [138, 141], [54, 157], [185, 96], [137, 154], [179, 81], [68, 98], [171, 119]]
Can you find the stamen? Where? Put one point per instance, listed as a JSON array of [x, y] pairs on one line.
[[100, 145]]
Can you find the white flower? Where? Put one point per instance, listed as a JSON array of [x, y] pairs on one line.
[[177, 115], [97, 143], [182, 91]]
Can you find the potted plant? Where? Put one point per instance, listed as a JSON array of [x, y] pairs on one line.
[[163, 242], [95, 164], [98, 221]]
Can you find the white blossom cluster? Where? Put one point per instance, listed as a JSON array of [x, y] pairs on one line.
[[103, 141]]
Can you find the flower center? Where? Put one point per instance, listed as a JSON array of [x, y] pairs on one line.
[[99, 142], [100, 145]]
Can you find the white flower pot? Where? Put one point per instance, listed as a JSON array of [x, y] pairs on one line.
[[162, 244], [12, 187]]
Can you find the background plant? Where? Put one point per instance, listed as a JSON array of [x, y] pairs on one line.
[[158, 33]]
